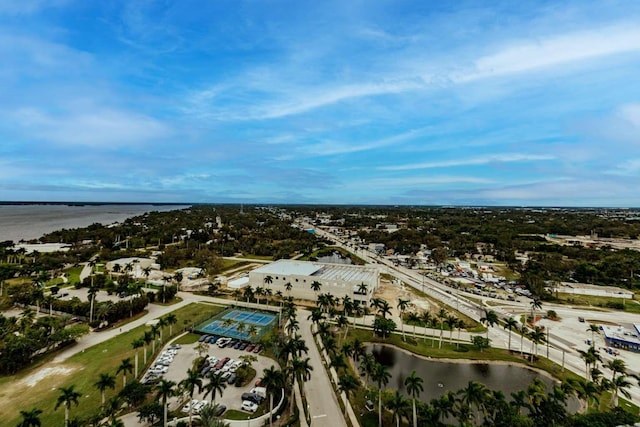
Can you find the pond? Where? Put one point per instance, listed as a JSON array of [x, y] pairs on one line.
[[440, 377]]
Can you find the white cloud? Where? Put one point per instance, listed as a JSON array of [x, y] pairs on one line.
[[483, 160], [95, 127], [331, 148], [554, 51]]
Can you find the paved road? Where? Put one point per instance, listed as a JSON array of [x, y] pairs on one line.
[[323, 403], [565, 340]]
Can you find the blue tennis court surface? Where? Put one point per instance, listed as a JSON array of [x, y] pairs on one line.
[[239, 324]]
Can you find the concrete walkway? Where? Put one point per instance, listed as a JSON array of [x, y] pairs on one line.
[[321, 400]]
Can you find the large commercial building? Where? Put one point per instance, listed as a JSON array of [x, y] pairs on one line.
[[338, 279]]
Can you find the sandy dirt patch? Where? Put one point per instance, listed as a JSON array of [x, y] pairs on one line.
[[43, 373], [392, 294]]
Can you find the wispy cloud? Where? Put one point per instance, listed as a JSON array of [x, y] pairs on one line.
[[99, 127], [553, 51], [483, 160]]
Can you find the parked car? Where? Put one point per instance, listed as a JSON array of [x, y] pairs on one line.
[[244, 345], [198, 406], [249, 406], [232, 378], [237, 345], [186, 408], [369, 405], [202, 338], [220, 411], [257, 348], [252, 398], [250, 347]]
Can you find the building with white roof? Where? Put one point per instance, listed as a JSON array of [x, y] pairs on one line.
[[338, 279], [621, 337]]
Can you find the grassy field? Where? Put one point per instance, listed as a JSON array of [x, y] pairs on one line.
[[82, 370], [259, 257], [472, 325], [631, 306]]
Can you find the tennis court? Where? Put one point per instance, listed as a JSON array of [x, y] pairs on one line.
[[239, 324]]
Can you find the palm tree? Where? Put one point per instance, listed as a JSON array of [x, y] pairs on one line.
[[510, 324], [208, 417], [451, 322], [413, 318], [268, 280], [164, 390], [125, 367], [384, 309], [67, 396], [362, 288], [93, 290], [381, 376], [189, 385], [148, 338], [171, 320], [162, 323], [594, 329], [288, 286], [413, 384], [104, 382], [31, 418], [252, 331], [617, 366], [442, 314], [474, 394], [136, 344], [523, 331], [301, 369], [535, 305], [273, 380], [155, 332], [248, 293], [347, 384], [536, 336], [590, 357], [459, 325], [618, 385], [490, 318], [426, 318], [315, 287], [398, 406], [402, 306], [215, 385], [585, 390]]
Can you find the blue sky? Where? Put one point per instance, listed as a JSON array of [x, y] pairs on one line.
[[367, 102]]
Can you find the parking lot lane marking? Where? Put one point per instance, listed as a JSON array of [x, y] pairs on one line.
[[319, 416]]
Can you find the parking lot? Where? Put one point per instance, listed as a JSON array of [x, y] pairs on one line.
[[231, 397]]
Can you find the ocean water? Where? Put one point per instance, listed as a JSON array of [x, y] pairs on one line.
[[26, 222]]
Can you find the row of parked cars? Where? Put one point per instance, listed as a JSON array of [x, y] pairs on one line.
[[225, 367], [223, 342], [251, 400], [195, 406], [161, 365]]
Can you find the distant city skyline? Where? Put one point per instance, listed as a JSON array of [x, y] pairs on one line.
[[488, 103]]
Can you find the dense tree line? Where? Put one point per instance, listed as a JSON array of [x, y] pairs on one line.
[[23, 338]]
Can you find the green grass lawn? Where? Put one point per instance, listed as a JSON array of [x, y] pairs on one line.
[[631, 306], [83, 371], [260, 257], [73, 274]]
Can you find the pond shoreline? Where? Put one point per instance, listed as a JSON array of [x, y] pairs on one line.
[[465, 361]]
